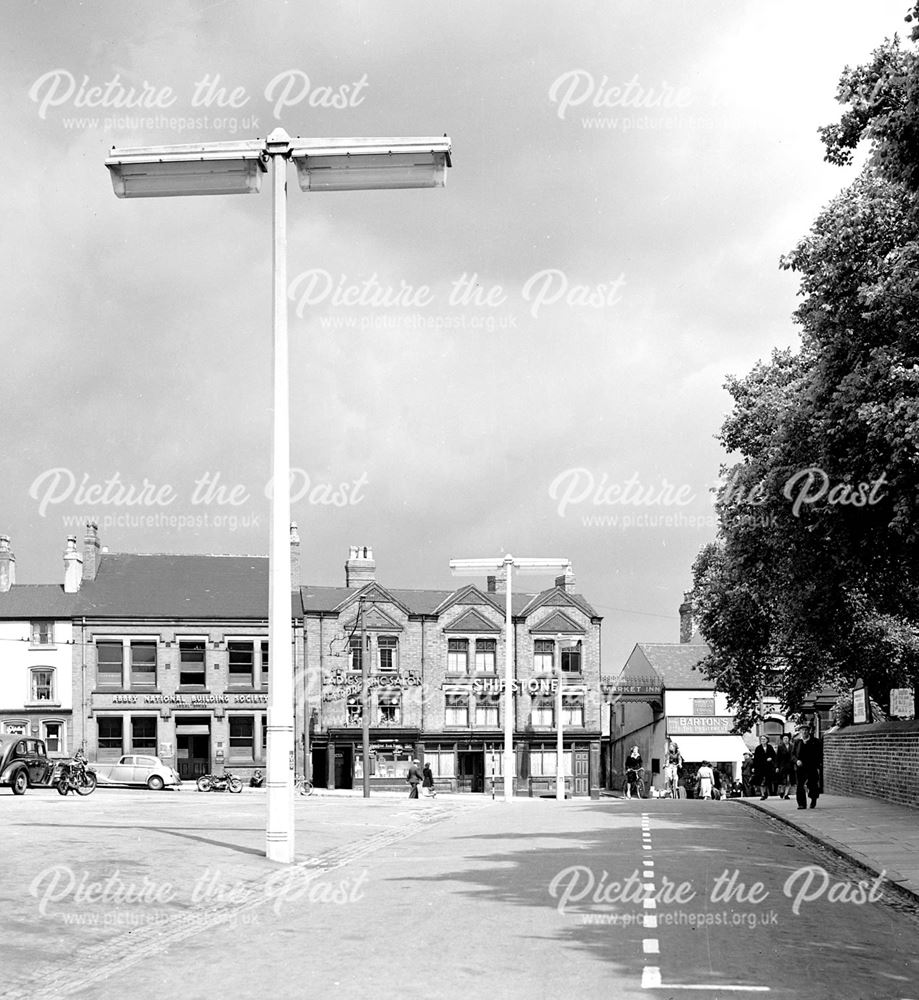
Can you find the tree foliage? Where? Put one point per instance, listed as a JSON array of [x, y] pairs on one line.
[[814, 578]]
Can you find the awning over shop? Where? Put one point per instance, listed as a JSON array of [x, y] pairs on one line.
[[711, 748]]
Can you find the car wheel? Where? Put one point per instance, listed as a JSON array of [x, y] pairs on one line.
[[63, 787], [155, 783], [20, 783]]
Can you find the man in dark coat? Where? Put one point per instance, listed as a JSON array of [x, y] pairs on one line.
[[414, 777], [763, 766], [808, 767]]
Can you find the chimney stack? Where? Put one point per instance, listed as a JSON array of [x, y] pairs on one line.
[[294, 556], [360, 568], [91, 553], [566, 581], [7, 565], [73, 566], [686, 617]]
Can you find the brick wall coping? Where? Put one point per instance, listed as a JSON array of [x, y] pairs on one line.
[[876, 728]]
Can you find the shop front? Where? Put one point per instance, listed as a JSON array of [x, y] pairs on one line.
[[707, 738]]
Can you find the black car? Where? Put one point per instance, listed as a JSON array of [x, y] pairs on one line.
[[24, 763]]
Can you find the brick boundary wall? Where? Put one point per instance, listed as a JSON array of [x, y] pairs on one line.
[[880, 760]]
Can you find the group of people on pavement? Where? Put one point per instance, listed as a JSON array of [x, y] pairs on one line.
[[794, 764]]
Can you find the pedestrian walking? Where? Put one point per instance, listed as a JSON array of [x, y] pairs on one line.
[[785, 766], [705, 779], [427, 782], [746, 775], [414, 777], [808, 768], [674, 761], [764, 766]]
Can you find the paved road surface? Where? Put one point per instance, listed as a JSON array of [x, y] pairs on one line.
[[458, 898]]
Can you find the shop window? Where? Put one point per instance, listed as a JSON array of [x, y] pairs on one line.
[[42, 633], [143, 665], [390, 706], [487, 711], [573, 710], [485, 652], [42, 684], [110, 736], [385, 762], [53, 733], [442, 763], [192, 664], [387, 648], [265, 665], [571, 658], [143, 734], [457, 710], [242, 665], [543, 656], [543, 763], [242, 738], [543, 712], [353, 711], [109, 664], [457, 656]]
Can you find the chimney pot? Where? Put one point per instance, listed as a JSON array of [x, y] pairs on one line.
[[73, 566], [294, 556], [686, 617], [7, 565], [91, 551]]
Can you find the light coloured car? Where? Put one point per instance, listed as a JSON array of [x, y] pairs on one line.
[[137, 769]]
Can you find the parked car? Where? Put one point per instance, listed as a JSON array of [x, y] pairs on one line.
[[137, 769], [24, 763]]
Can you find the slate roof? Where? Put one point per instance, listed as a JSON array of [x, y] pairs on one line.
[[419, 602], [171, 586], [36, 600], [674, 661]]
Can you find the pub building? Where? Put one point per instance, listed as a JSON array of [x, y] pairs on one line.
[[436, 664]]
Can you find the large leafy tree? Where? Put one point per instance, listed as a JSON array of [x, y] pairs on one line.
[[814, 578]]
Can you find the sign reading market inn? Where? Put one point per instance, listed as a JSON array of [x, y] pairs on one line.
[[699, 725]]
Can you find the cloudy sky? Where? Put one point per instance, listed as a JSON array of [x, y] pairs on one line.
[[534, 357]]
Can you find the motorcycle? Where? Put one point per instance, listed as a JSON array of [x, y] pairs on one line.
[[219, 783], [75, 775]]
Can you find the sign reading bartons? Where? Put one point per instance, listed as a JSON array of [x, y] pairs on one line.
[[699, 725]]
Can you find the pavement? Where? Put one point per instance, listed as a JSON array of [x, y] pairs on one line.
[[876, 835]]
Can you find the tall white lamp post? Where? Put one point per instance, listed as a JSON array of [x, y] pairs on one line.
[[237, 168], [507, 564]]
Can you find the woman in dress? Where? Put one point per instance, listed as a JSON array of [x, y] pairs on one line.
[[706, 779]]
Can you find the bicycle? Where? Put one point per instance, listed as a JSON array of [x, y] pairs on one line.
[[634, 783], [303, 785]]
